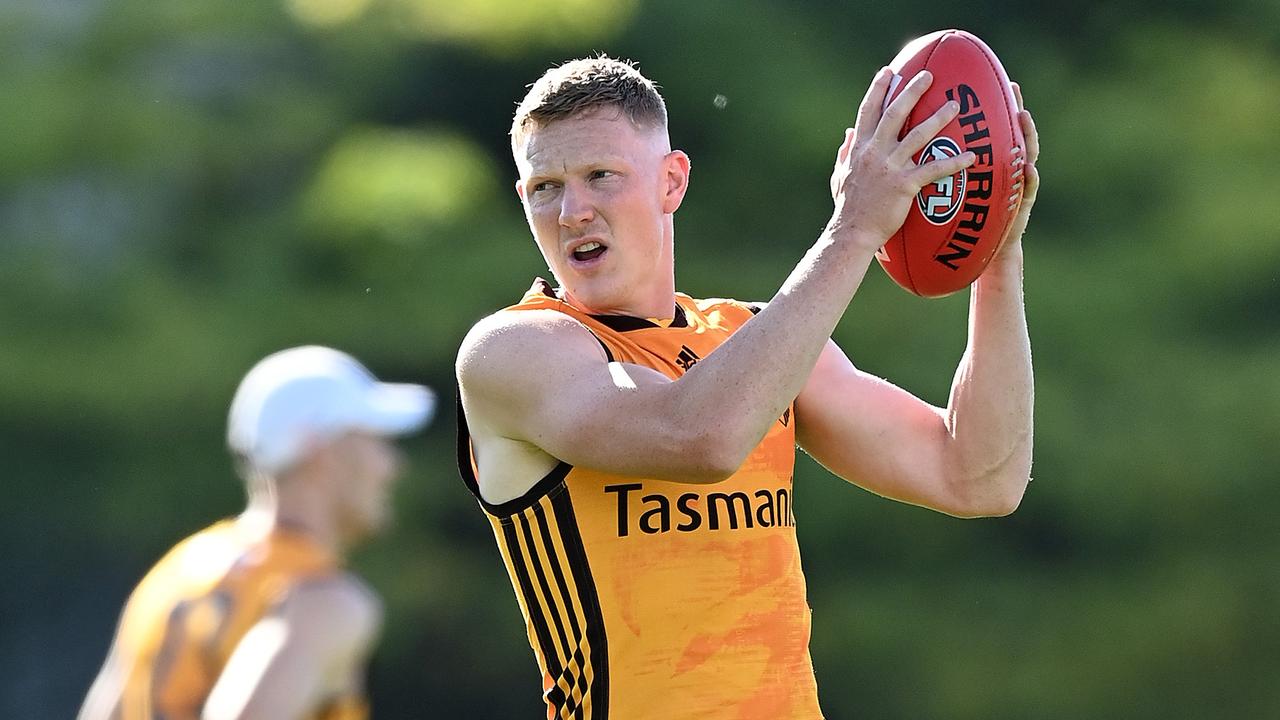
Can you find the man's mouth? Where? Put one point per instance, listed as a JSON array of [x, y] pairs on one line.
[[589, 250]]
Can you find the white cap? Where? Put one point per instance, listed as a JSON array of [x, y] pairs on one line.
[[295, 398]]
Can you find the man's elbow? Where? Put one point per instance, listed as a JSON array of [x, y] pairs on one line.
[[995, 490], [999, 499], [1001, 505], [711, 459]]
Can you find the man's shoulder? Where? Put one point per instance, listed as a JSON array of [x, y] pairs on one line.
[[509, 335], [512, 364], [518, 316], [190, 563]]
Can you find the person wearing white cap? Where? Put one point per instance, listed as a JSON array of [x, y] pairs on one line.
[[255, 617]]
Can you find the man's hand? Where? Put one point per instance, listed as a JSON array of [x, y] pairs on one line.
[[875, 179], [1028, 183]]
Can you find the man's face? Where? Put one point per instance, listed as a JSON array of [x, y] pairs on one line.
[[367, 465], [597, 193]]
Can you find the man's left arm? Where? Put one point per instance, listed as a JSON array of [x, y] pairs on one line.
[[103, 700], [970, 459]]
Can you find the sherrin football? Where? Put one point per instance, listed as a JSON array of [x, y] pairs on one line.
[[956, 224]]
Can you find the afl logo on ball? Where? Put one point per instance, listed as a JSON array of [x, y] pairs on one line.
[[939, 201]]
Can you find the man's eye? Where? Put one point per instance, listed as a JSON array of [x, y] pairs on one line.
[[539, 187], [598, 174]]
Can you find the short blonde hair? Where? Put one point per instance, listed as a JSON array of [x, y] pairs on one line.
[[587, 84]]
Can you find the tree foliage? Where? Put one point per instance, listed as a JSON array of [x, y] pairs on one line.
[[187, 187]]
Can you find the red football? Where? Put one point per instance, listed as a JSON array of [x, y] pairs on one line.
[[956, 224]]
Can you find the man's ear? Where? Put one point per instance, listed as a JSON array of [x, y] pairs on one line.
[[520, 189], [675, 168]]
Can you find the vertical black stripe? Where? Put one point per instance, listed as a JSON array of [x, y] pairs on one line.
[[464, 449], [567, 672], [539, 622], [574, 650], [589, 598]]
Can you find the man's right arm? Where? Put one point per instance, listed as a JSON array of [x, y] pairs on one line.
[[293, 661], [538, 379]]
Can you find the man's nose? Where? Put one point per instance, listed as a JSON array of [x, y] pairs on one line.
[[575, 207]]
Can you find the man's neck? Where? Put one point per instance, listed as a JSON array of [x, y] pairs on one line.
[[268, 514], [658, 306]]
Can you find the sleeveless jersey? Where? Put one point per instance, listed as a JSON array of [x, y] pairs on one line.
[[185, 618], [645, 598]]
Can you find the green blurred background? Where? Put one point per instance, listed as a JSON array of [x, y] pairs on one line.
[[185, 187]]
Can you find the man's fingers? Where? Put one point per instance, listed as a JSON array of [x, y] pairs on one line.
[[872, 104], [936, 170], [927, 130], [842, 157], [1032, 137], [1026, 174], [845, 147], [1028, 125], [1030, 184], [896, 115]]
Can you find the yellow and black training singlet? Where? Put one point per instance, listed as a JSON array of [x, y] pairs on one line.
[[652, 599], [187, 615]]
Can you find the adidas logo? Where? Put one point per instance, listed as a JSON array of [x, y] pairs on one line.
[[687, 358]]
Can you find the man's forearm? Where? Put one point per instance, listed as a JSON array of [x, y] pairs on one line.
[[990, 410], [758, 371]]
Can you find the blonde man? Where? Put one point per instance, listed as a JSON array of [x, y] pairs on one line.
[[632, 447], [255, 617]]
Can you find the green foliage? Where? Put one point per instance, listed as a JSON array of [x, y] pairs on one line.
[[187, 187]]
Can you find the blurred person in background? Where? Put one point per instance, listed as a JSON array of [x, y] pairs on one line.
[[255, 616], [633, 447]]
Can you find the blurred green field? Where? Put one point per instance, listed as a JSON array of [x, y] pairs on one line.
[[187, 187]]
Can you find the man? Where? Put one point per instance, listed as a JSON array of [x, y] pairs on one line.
[[255, 617], [633, 447]]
